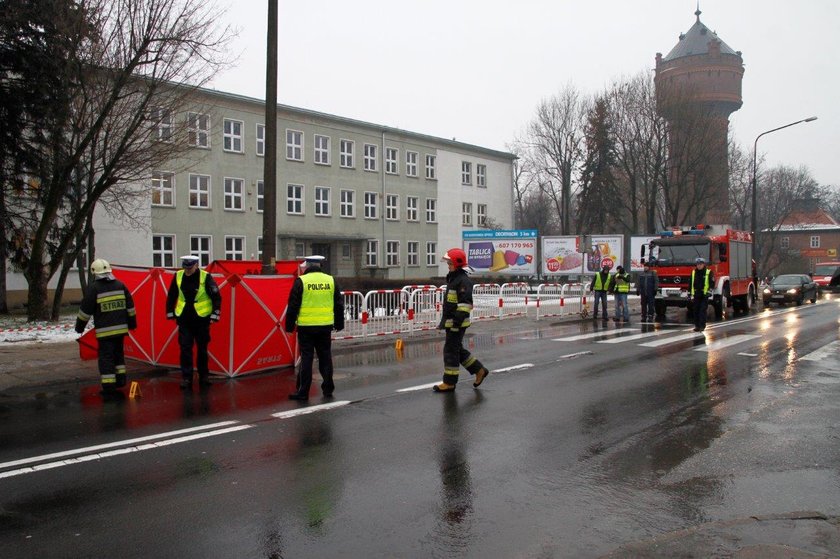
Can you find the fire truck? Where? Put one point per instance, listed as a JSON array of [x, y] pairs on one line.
[[728, 253]]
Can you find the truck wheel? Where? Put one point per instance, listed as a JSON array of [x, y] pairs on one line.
[[720, 303]]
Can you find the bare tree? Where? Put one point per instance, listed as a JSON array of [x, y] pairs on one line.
[[740, 185], [117, 125]]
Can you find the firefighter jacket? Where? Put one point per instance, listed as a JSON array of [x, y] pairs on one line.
[[458, 301], [110, 304], [647, 284], [601, 282], [315, 301], [620, 282], [193, 297], [701, 283]]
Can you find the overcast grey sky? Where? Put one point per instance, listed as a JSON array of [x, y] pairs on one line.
[[476, 69]]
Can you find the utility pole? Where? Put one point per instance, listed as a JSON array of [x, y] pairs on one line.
[[269, 235]]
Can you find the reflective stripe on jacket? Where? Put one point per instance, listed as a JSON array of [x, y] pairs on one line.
[[316, 308], [598, 284], [705, 282], [203, 304], [622, 283]]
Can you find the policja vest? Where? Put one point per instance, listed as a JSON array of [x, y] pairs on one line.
[[705, 282], [316, 306], [203, 304]]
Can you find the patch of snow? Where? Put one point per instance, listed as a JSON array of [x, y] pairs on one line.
[[15, 329]]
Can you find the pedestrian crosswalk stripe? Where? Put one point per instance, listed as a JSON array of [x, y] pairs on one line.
[[673, 340], [636, 337], [596, 335], [309, 409], [726, 342], [822, 353]]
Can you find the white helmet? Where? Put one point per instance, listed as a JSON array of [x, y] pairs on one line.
[[100, 267]]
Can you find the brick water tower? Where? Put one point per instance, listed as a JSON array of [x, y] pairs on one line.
[[698, 85]]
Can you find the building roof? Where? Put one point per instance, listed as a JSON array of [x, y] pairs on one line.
[[696, 42], [815, 219]]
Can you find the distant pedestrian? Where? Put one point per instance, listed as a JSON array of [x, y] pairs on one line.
[[316, 308], [455, 319], [620, 285], [700, 286], [600, 286], [110, 304], [194, 302], [646, 287]]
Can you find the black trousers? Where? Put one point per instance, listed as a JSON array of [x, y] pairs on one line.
[[196, 332], [111, 362], [648, 306], [455, 355], [700, 304], [312, 340]]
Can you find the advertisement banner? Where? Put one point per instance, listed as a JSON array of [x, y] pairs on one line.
[[605, 249], [510, 252], [561, 255], [636, 243]]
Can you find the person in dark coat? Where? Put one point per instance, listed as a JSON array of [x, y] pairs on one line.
[[701, 284], [316, 308], [646, 287], [110, 304], [194, 302]]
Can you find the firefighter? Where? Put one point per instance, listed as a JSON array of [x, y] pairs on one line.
[[316, 307], [646, 288], [194, 302], [700, 286], [455, 319], [600, 286], [621, 287], [112, 308]]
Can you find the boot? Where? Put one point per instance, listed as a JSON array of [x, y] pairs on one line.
[[480, 376], [443, 387]]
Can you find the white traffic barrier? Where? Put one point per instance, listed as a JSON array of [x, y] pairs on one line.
[[354, 306], [572, 297], [513, 299], [385, 312], [549, 300], [424, 307], [486, 297]]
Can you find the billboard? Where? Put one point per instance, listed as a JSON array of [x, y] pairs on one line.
[[636, 243], [562, 255], [508, 252]]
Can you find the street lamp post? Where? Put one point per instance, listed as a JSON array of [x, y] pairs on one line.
[[755, 161]]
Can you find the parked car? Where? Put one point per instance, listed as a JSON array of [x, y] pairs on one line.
[[824, 273], [790, 288]]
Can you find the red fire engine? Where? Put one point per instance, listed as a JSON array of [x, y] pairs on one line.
[[728, 254]]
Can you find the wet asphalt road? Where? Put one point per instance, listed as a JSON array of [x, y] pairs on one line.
[[595, 436]]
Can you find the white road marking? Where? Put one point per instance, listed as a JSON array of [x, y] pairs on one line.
[[309, 409], [119, 451], [419, 387], [573, 355], [726, 342], [126, 442], [674, 339], [596, 335], [503, 370], [748, 354], [635, 337], [831, 349], [513, 368]]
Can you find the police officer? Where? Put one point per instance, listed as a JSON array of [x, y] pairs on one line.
[[316, 307], [112, 308], [455, 319], [194, 302], [646, 288], [621, 287], [600, 286], [702, 280]]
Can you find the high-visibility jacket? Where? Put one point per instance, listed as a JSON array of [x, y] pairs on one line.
[[316, 308], [110, 304], [203, 304], [622, 282], [458, 301], [706, 281], [599, 284]]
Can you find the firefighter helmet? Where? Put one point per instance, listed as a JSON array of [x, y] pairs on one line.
[[457, 256], [99, 267]]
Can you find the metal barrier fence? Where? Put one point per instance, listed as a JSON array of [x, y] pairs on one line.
[[573, 297], [549, 300], [513, 299], [385, 312], [424, 307], [486, 297], [354, 304]]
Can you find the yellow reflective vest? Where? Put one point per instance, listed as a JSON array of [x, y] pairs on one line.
[[705, 282], [203, 303], [316, 306]]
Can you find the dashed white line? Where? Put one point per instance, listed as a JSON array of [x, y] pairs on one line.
[[748, 354], [418, 387], [822, 353], [309, 409], [513, 368], [573, 355]]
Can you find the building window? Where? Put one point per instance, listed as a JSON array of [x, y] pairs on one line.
[[481, 175], [348, 203], [392, 253], [294, 145], [372, 252], [431, 253], [784, 242], [163, 189], [431, 210], [346, 149], [198, 128], [466, 214], [202, 246], [481, 215], [300, 250], [260, 196], [259, 248], [200, 191], [430, 167], [232, 135], [411, 163], [162, 119], [234, 248], [322, 201], [163, 251], [294, 199], [412, 250], [391, 165], [370, 205], [411, 206], [260, 149], [346, 251], [466, 172], [392, 207], [233, 194], [370, 157], [322, 150], [815, 241]]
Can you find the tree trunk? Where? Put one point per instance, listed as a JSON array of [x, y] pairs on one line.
[[37, 306]]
